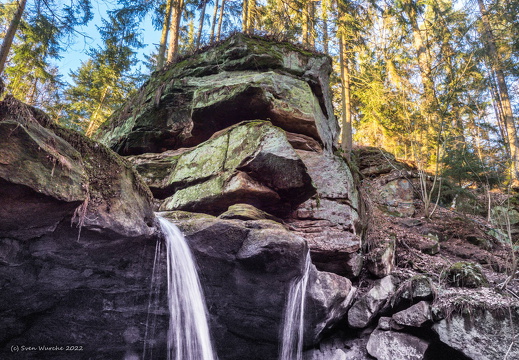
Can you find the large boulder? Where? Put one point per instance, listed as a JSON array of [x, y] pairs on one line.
[[246, 267], [251, 162], [242, 79], [49, 174], [42, 180], [481, 334]]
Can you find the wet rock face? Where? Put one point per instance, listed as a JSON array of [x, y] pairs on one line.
[[90, 292], [246, 274], [242, 79]]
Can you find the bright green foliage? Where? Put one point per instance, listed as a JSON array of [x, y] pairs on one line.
[[41, 36], [106, 80]]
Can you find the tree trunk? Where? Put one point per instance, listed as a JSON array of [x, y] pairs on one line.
[[174, 32], [503, 98], [220, 21], [424, 61], [311, 24], [161, 57], [213, 24], [346, 141], [92, 126], [201, 24], [324, 14], [251, 16], [244, 16], [305, 21], [9, 35]]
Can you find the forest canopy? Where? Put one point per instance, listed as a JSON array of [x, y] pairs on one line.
[[432, 81]]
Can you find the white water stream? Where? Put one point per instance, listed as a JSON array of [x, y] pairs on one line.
[[188, 335], [293, 323]]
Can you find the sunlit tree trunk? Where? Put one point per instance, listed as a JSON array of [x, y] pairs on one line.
[[311, 24], [174, 32], [161, 57], [213, 24], [251, 15], [94, 123], [346, 140], [304, 22], [325, 8], [245, 17], [502, 98], [201, 24], [9, 35], [220, 21], [424, 61]]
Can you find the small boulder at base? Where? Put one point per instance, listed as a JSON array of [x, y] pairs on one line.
[[381, 258], [392, 345], [417, 315], [368, 305], [415, 289]]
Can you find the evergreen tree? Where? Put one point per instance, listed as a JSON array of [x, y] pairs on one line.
[[106, 80]]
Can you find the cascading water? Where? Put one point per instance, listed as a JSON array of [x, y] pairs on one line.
[[293, 323], [188, 335]]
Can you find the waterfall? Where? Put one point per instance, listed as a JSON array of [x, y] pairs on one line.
[[293, 323], [188, 335]]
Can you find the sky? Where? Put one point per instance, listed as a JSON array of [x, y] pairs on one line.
[[77, 52]]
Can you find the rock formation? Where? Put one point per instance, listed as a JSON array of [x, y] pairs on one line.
[[237, 147]]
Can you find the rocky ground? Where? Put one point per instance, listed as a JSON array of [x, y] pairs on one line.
[[452, 261]]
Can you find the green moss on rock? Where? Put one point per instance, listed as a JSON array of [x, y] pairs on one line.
[[465, 274]]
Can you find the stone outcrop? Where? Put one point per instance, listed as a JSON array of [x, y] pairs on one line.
[[245, 78], [237, 147], [50, 174], [251, 162], [397, 196], [331, 220]]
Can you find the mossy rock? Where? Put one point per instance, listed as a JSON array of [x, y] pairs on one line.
[[465, 274], [184, 104], [247, 212], [251, 162], [69, 167], [480, 242]]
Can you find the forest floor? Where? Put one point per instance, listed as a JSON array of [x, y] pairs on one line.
[[431, 245]]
